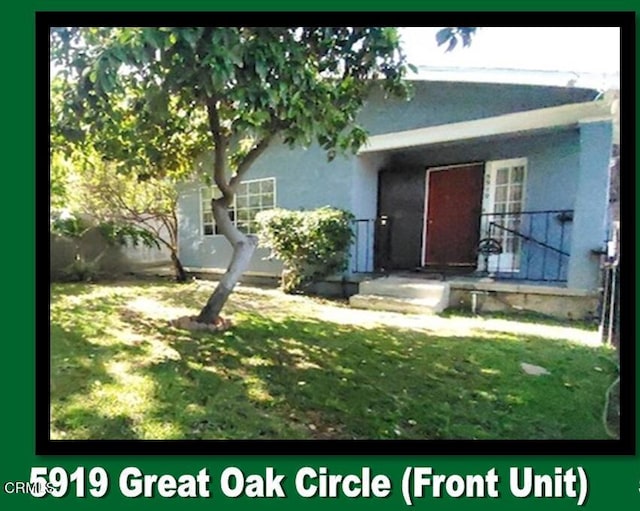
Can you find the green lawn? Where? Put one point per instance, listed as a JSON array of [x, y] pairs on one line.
[[297, 367]]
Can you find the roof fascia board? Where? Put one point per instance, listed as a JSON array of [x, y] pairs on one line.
[[519, 122]]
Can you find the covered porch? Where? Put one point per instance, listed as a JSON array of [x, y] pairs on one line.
[[518, 199]]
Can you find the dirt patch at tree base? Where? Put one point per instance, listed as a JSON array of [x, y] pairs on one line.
[[190, 323]]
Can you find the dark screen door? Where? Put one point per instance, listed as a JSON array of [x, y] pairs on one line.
[[454, 203]]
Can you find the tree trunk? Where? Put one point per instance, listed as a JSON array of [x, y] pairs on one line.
[[180, 274], [243, 248]]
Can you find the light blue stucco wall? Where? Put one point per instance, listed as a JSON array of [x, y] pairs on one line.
[[435, 103], [552, 160], [557, 167], [591, 204], [304, 180]]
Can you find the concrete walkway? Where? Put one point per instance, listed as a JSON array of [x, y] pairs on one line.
[[341, 313]]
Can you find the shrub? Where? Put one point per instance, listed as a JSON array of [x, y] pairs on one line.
[[81, 270], [88, 251], [312, 244]]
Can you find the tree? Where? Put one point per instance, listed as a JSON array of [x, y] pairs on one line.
[[451, 35], [129, 207], [231, 90], [147, 207]]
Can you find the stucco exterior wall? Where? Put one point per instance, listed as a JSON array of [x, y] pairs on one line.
[[436, 103], [103, 259], [552, 159], [591, 204], [558, 168], [304, 180]]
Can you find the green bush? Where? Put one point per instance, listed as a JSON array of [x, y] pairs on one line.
[[81, 270], [312, 244]]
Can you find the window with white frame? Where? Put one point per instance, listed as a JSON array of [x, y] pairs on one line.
[[503, 203], [251, 197]]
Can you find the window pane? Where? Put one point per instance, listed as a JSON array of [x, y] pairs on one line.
[[208, 229], [205, 193], [207, 217], [515, 193], [502, 176], [501, 193], [243, 189], [518, 174], [267, 186], [251, 198], [242, 201], [268, 201]]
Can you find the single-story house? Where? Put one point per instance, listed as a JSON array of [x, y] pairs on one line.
[[497, 192]]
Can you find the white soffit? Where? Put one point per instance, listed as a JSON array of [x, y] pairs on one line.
[[543, 118]]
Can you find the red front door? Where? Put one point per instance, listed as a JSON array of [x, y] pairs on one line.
[[452, 223]]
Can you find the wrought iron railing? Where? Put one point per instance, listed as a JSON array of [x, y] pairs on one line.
[[526, 245]]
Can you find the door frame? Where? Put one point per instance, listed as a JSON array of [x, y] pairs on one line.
[[488, 206], [429, 170]]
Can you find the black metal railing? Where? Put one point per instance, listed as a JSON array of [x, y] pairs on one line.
[[526, 245]]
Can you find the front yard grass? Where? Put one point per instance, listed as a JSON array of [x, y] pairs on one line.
[[301, 368]]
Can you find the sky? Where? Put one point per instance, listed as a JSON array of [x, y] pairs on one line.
[[571, 49]]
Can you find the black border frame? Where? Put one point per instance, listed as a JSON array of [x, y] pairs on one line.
[[626, 445]]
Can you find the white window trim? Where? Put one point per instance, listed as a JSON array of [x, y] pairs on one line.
[[235, 222]]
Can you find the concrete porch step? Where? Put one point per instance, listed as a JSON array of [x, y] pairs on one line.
[[399, 294], [390, 304]]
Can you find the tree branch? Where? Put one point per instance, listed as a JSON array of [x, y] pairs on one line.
[[224, 223], [249, 158], [220, 150], [169, 227]]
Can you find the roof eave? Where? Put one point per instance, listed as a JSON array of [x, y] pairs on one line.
[[564, 116]]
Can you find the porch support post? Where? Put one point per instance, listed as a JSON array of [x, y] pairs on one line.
[[364, 200], [591, 204]]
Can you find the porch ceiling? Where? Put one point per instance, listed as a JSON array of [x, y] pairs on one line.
[[509, 124]]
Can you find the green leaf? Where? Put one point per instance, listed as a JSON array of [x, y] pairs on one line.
[[444, 35], [261, 69], [190, 36]]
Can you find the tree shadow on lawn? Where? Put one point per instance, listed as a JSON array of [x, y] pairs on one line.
[[523, 316], [284, 377], [260, 301], [78, 369], [293, 378]]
